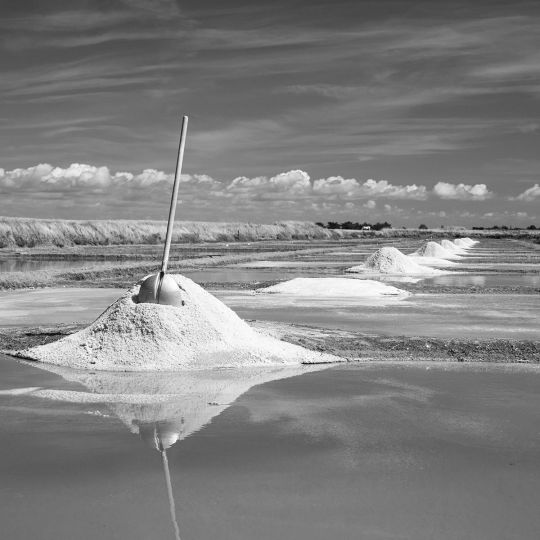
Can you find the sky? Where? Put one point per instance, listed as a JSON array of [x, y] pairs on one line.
[[408, 111]]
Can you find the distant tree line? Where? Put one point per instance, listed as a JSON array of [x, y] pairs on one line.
[[351, 225], [356, 226], [493, 228], [505, 228]]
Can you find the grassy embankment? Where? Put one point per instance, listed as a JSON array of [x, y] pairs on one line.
[[32, 233], [28, 233]]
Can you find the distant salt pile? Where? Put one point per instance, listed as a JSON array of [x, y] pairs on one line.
[[389, 260], [202, 334], [450, 246], [333, 288], [462, 243], [465, 242], [435, 250]]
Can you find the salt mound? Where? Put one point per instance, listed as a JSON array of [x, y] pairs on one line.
[[202, 334], [432, 249], [389, 260], [462, 243], [334, 287], [465, 242], [450, 246]]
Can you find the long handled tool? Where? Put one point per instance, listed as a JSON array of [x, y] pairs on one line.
[[170, 494], [161, 288]]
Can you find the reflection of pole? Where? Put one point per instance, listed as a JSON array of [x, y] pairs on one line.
[[170, 493]]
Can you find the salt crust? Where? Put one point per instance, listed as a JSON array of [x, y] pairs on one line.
[[389, 260], [333, 288], [202, 334]]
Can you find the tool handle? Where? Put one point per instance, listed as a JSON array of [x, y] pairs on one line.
[[174, 197]]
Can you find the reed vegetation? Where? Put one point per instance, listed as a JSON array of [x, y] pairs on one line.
[[28, 232]]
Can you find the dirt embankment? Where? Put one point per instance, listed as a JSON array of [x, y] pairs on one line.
[[354, 346]]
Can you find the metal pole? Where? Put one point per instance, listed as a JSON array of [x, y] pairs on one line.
[[176, 185]]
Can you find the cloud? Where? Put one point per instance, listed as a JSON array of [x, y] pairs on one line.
[[291, 183], [95, 191], [530, 194], [352, 188], [45, 177], [463, 192]]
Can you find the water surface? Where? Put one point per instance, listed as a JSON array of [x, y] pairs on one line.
[[363, 452]]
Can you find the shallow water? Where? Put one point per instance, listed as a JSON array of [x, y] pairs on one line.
[[19, 264], [363, 452], [434, 315], [485, 280], [54, 305]]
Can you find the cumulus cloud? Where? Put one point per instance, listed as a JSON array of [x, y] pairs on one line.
[[477, 192], [291, 185], [352, 188], [287, 184], [47, 176], [530, 194], [287, 195], [370, 204], [81, 176]]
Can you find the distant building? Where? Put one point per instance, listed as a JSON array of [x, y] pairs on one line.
[[366, 227]]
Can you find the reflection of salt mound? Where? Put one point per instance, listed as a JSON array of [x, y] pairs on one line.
[[173, 405], [204, 333], [389, 260], [432, 249], [333, 287]]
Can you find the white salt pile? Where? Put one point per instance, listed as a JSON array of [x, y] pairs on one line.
[[435, 250], [333, 288], [465, 242], [462, 243], [389, 260], [450, 246], [202, 334]]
